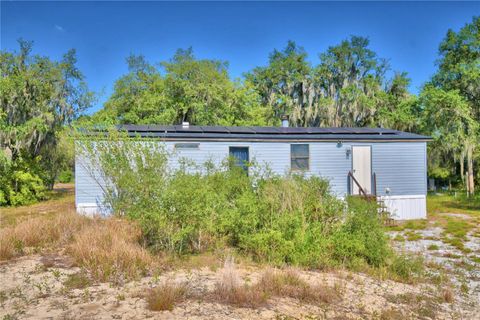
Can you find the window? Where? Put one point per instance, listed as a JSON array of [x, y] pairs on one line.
[[300, 157], [240, 157]]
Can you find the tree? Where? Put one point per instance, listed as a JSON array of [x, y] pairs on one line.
[[397, 108], [447, 115], [185, 89], [138, 97], [347, 88], [459, 73], [38, 97], [350, 76], [286, 85]]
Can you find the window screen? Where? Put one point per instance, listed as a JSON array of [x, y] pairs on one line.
[[300, 157]]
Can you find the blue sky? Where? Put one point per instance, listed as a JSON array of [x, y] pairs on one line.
[[243, 34]]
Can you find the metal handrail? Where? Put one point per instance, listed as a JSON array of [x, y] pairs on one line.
[[350, 174]]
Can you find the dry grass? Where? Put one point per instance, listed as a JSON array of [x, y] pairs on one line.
[[289, 284], [166, 295], [77, 281], [109, 249], [231, 289], [7, 244], [391, 314], [423, 305], [447, 295], [39, 232]]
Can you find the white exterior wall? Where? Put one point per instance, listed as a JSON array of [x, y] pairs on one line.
[[400, 168]]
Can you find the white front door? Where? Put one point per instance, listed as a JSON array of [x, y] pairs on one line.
[[362, 168]]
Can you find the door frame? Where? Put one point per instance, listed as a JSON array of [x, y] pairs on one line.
[[371, 163]]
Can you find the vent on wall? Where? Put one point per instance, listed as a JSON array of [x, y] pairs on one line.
[[187, 145]]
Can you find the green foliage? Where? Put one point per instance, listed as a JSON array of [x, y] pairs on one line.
[[200, 91], [439, 173], [188, 89], [362, 236], [39, 97], [451, 101], [28, 188], [18, 186], [347, 88], [65, 176], [291, 219], [407, 268]]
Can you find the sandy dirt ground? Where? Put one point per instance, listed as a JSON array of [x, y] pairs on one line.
[[34, 287]]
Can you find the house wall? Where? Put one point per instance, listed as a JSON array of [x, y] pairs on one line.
[[89, 184], [400, 168]]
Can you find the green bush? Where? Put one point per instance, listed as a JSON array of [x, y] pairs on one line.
[[18, 185], [28, 188], [361, 236], [406, 268], [65, 176], [282, 220]]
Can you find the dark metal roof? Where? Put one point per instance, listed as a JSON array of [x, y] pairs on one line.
[[267, 133]]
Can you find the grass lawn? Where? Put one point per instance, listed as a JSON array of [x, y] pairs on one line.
[[443, 203], [60, 199]]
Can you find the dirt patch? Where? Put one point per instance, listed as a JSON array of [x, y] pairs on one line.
[[32, 289]]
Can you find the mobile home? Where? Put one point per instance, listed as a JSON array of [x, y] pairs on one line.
[[388, 164]]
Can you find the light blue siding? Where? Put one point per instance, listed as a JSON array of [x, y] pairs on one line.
[[88, 185], [331, 162], [399, 166]]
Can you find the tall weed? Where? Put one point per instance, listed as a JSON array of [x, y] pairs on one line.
[[39, 232], [110, 250]]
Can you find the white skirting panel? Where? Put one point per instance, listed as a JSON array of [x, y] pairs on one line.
[[88, 209], [91, 209], [406, 207]]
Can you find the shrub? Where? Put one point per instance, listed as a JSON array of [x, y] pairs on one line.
[[65, 176], [27, 188], [292, 219], [406, 268], [19, 182], [361, 237]]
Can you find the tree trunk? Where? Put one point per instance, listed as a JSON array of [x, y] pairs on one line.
[[462, 168], [470, 182]]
